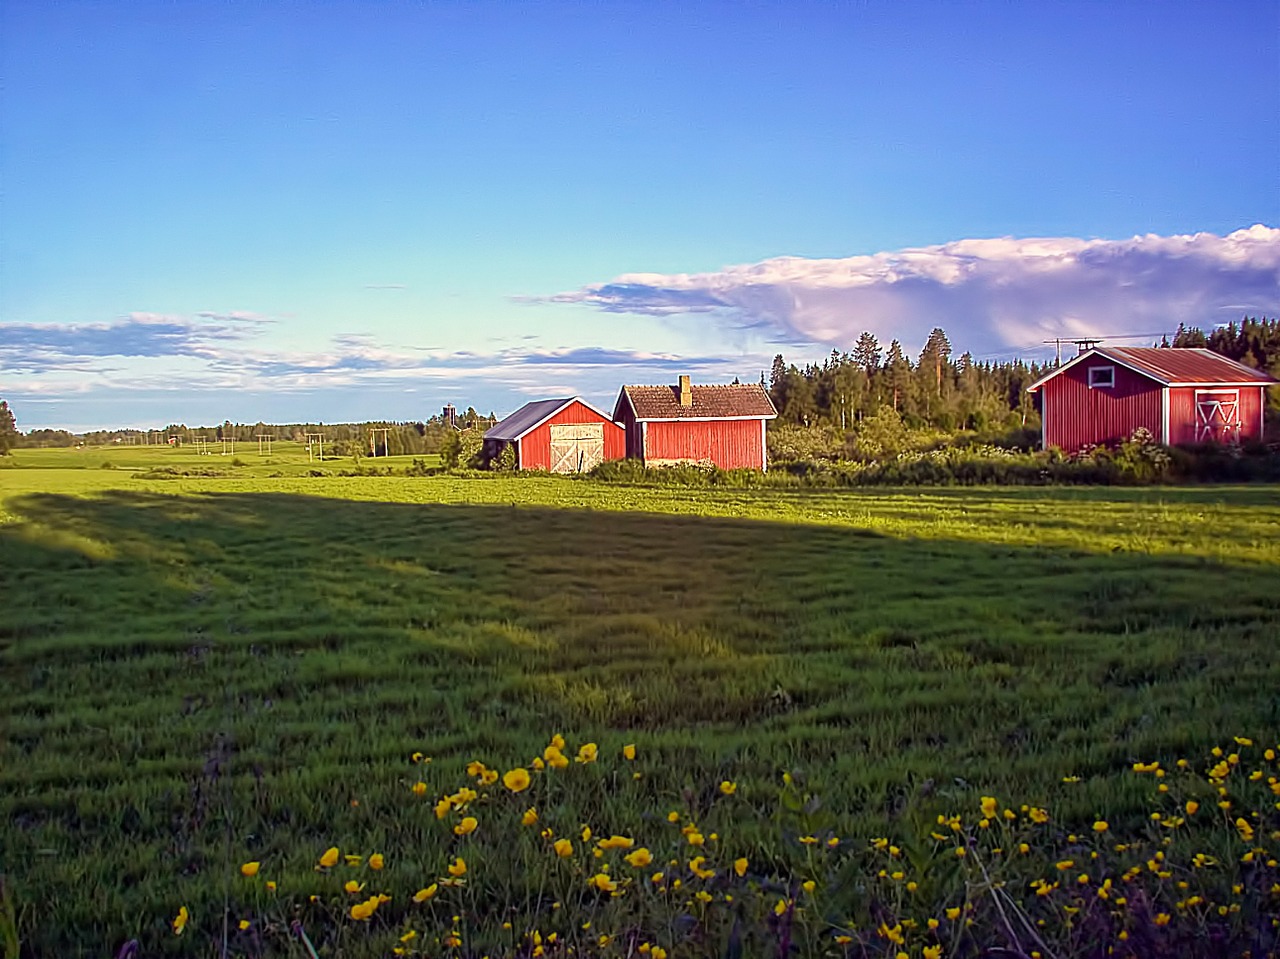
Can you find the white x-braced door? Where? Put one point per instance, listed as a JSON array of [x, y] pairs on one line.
[[1217, 416], [576, 447]]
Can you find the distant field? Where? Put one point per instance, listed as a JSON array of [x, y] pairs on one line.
[[302, 636], [239, 459]]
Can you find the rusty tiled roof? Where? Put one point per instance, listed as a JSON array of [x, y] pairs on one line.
[[737, 401]]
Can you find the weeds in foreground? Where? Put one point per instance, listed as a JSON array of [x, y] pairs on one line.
[[513, 872]]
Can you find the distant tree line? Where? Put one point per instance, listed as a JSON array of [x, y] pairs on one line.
[[937, 389], [412, 437]]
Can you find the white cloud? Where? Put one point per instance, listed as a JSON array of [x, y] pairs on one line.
[[989, 294]]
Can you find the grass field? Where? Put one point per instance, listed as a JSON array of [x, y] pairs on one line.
[[202, 672]]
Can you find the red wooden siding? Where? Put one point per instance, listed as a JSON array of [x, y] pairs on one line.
[[729, 444], [1183, 420], [1075, 415], [535, 446]]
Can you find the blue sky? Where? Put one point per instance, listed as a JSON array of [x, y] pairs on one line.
[[331, 211]]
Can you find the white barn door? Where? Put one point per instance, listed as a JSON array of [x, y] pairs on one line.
[[576, 447], [1217, 416]]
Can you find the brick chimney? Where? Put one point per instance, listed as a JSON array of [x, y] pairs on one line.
[[686, 392]]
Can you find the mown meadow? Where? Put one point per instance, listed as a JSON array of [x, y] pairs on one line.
[[213, 683]]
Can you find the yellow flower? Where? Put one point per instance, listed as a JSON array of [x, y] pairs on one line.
[[352, 887], [616, 842], [989, 806], [740, 867], [466, 827], [419, 788], [843, 940], [557, 741], [932, 952], [809, 840], [376, 861], [409, 936], [703, 896], [953, 913], [363, 910], [554, 757], [443, 807], [629, 751], [517, 780], [530, 817], [780, 907], [243, 924], [1100, 826], [728, 788], [422, 895], [602, 882], [563, 848], [271, 885], [330, 857], [809, 885], [418, 757], [458, 867], [353, 859], [250, 869], [587, 753], [639, 858], [657, 952], [1192, 806], [673, 816], [180, 920], [695, 838]]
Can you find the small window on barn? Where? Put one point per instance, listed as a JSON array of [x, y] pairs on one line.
[[1102, 376]]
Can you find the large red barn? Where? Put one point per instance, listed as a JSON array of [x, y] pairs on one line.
[[1180, 396], [722, 426], [563, 436]]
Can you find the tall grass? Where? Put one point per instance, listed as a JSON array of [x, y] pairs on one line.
[[203, 673]]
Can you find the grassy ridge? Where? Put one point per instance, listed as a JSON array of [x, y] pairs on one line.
[[204, 667]]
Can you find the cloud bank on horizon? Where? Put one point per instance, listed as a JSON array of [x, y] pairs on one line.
[[990, 295]]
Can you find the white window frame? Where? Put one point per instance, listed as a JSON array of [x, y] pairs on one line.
[[1094, 383]]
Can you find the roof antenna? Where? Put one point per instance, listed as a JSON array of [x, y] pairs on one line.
[[1084, 346]]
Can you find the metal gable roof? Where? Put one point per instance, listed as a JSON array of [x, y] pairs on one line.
[[1177, 366], [532, 415]]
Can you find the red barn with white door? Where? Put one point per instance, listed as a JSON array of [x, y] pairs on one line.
[[563, 436], [722, 426], [1181, 396]]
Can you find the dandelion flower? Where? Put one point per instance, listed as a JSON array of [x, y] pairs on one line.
[[376, 861], [250, 869], [458, 867], [989, 806], [180, 920], [467, 826], [602, 882], [1191, 807], [517, 780], [563, 848], [422, 895], [639, 858], [740, 867], [555, 758], [587, 753], [330, 857], [809, 885], [728, 788], [1101, 826], [352, 887], [780, 907], [530, 817], [629, 751]]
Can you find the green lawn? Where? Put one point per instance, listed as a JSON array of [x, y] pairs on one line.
[[203, 671]]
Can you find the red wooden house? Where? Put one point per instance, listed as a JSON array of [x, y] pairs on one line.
[[1180, 395], [722, 426], [563, 436]]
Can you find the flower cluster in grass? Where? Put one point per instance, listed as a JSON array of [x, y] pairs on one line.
[[522, 872]]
